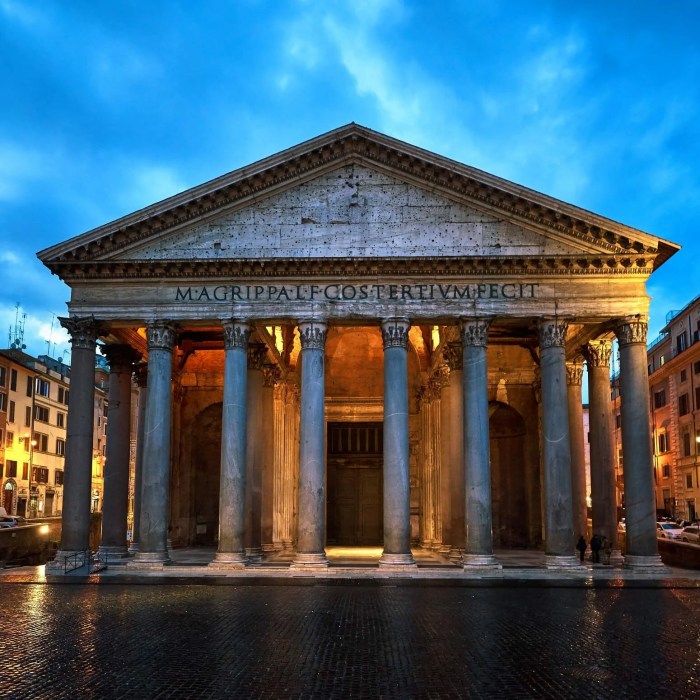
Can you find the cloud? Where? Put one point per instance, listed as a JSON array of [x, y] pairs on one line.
[[19, 166], [21, 13], [146, 183]]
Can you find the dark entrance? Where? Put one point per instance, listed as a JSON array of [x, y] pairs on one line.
[[355, 504]]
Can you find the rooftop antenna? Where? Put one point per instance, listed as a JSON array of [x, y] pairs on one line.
[[17, 338], [48, 342]]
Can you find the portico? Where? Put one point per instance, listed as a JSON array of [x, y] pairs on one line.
[[423, 310]]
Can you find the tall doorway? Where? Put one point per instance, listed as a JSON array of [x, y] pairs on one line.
[[355, 484]]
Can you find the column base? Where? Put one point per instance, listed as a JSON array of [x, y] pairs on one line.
[[228, 560], [645, 564], [269, 547], [57, 566], [288, 544], [562, 562], [150, 560], [480, 562], [455, 555], [445, 550], [309, 560], [107, 553], [254, 555], [616, 558], [397, 561], [133, 548]]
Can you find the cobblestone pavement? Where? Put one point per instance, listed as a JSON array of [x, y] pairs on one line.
[[348, 641]]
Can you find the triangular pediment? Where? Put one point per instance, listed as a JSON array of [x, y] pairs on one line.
[[354, 193], [352, 211]]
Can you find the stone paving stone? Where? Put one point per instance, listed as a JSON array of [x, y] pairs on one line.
[[354, 641]]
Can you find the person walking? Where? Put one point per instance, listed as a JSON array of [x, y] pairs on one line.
[[581, 546], [595, 549]]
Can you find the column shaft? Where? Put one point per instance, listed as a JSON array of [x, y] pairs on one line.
[[254, 453], [602, 442], [75, 520], [311, 527], [141, 375], [397, 504], [574, 373], [269, 437], [232, 484], [640, 505], [478, 526], [558, 513], [153, 532], [116, 487]]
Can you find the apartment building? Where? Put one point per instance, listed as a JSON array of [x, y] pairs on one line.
[[34, 395]]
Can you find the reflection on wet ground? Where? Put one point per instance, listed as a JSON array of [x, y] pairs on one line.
[[349, 641]]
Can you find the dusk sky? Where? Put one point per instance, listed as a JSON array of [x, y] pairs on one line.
[[110, 106]]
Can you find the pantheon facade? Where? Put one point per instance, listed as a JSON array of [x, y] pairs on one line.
[[358, 342]]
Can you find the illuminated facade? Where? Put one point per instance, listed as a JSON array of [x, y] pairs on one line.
[[357, 342], [33, 417]]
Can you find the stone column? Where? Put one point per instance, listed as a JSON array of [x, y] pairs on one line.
[[155, 488], [271, 375], [602, 432], [427, 401], [75, 521], [556, 452], [397, 502], [311, 526], [230, 552], [454, 427], [254, 453], [141, 377], [115, 504], [640, 507], [574, 377], [478, 526]]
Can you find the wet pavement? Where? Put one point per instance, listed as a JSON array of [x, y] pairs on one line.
[[349, 639]]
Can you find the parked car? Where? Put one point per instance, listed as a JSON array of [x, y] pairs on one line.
[[12, 520], [691, 534], [670, 531]]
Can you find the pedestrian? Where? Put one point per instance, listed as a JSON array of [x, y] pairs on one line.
[[595, 549], [581, 546]]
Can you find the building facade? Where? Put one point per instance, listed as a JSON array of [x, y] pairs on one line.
[[34, 394], [356, 341], [674, 393]]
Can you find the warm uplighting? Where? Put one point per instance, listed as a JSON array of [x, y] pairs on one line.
[[44, 529]]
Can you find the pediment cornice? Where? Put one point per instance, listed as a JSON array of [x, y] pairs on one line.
[[593, 234], [359, 267]]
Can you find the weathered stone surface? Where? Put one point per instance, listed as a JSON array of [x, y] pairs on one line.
[[352, 211]]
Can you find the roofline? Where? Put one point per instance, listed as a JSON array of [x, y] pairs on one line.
[[665, 247]]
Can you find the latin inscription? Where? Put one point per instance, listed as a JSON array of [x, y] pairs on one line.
[[356, 292]]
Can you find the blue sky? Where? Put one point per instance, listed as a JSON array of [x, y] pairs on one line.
[[110, 106]]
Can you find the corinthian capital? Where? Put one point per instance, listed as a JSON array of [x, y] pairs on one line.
[[312, 335], [395, 332], [475, 332], [552, 333], [236, 334], [631, 330], [452, 353], [574, 373], [597, 353], [83, 331], [160, 335]]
